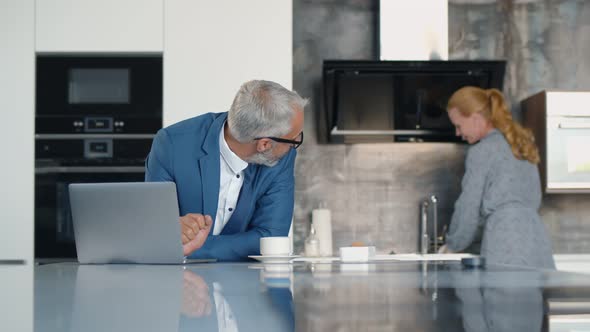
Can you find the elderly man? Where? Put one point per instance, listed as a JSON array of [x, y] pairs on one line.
[[233, 171]]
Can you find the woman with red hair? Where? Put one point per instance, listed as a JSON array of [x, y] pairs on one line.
[[501, 189]]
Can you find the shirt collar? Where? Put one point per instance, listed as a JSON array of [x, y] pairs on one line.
[[235, 163], [492, 132]]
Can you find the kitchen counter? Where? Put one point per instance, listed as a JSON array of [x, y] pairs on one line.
[[573, 262], [381, 296]]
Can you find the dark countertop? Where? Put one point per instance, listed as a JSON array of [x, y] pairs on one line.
[[383, 296]]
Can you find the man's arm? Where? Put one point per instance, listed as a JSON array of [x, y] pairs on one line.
[[272, 217], [159, 167], [159, 162]]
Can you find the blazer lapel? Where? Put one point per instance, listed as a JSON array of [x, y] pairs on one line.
[[209, 168], [237, 222]]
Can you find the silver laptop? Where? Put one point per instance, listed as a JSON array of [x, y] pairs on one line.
[[129, 222]]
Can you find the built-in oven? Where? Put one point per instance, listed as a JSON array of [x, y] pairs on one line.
[[561, 123], [54, 233], [98, 94], [96, 117], [83, 158]]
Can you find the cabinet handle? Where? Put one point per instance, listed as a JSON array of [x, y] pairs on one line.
[[353, 132], [90, 169], [85, 136], [573, 125]]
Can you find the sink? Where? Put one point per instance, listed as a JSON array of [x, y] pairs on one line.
[[396, 257], [419, 257]]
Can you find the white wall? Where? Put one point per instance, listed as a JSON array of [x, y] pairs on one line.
[[99, 26], [17, 65], [212, 47], [414, 30]]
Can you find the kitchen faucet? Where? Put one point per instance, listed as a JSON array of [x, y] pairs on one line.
[[424, 236]]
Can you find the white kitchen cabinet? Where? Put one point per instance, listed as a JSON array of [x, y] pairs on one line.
[[17, 68], [212, 47], [99, 26]]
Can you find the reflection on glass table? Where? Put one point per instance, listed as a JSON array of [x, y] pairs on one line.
[[431, 296], [383, 296], [71, 297]]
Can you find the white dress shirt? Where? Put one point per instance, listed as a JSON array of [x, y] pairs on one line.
[[230, 182]]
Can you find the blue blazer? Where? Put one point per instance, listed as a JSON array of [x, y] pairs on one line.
[[187, 153]]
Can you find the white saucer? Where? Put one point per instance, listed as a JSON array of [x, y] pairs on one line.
[[274, 259]]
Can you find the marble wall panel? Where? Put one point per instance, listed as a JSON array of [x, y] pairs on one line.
[[374, 190]]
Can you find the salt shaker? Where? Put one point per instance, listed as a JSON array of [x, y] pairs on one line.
[[312, 244]]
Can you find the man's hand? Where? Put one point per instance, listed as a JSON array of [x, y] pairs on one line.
[[190, 224], [195, 229]]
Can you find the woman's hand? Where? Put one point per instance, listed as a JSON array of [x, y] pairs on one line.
[[445, 250]]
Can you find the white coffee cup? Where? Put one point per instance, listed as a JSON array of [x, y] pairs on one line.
[[275, 246]]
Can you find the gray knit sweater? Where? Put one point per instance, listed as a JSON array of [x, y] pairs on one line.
[[502, 194]]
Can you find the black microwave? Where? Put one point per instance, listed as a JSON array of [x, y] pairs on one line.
[[98, 94], [396, 101]]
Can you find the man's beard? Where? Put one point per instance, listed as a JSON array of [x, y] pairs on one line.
[[265, 158]]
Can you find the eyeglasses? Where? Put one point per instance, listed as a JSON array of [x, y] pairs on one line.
[[295, 144]]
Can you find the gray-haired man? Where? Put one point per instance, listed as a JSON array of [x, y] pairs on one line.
[[233, 171]]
